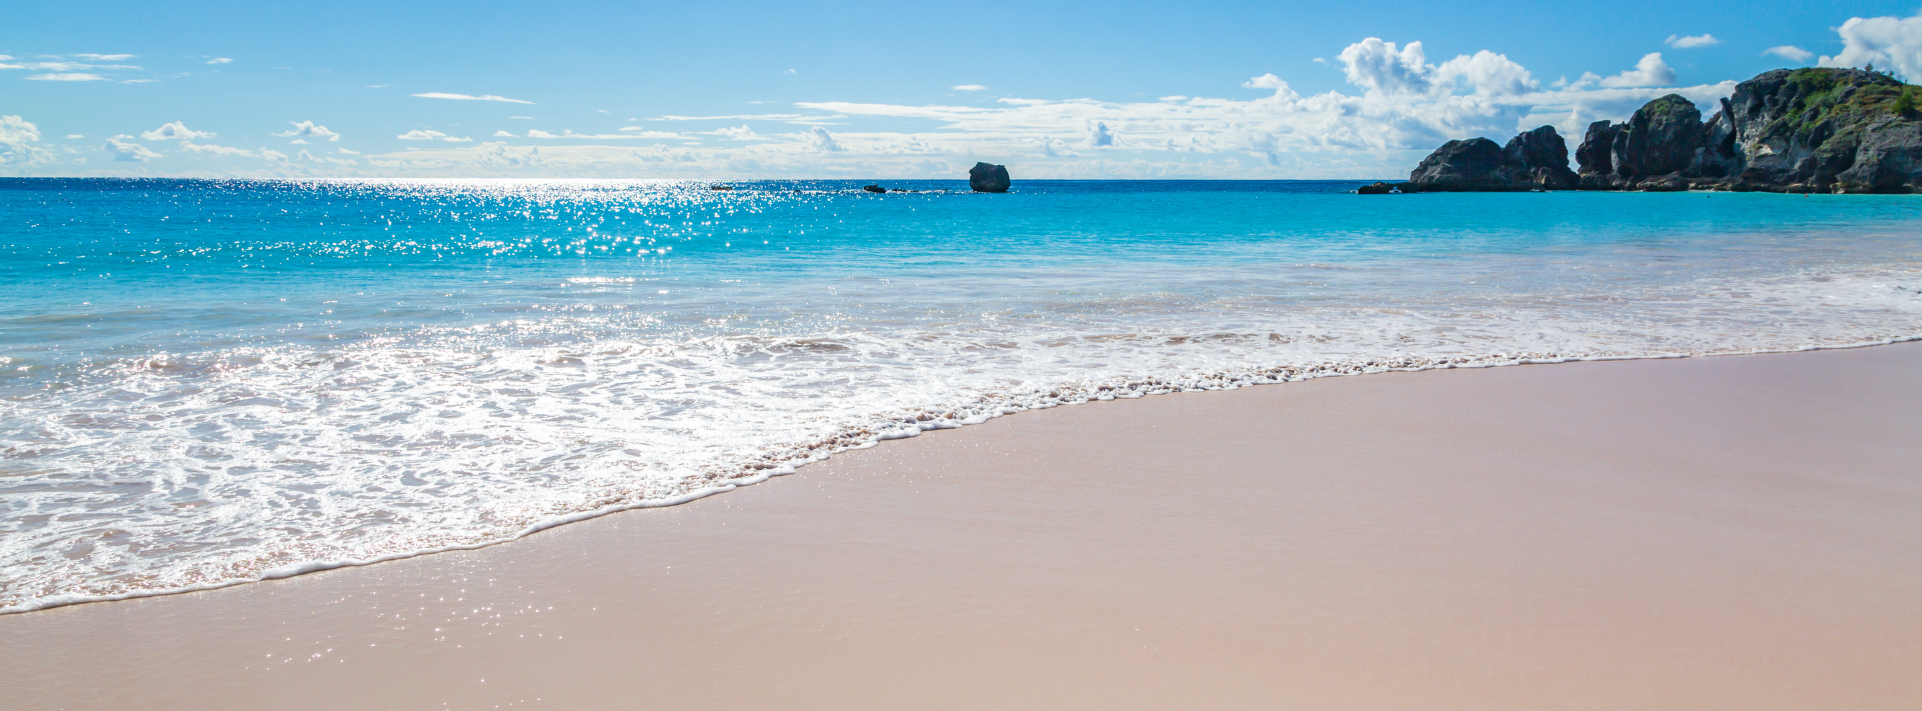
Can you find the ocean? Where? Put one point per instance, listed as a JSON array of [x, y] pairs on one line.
[[212, 382]]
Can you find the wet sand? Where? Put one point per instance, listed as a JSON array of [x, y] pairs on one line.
[[1711, 533]]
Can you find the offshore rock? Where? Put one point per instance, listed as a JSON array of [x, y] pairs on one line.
[[1539, 157], [988, 178], [874, 188], [1534, 160], [1661, 138]]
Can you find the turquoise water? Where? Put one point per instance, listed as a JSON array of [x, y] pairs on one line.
[[204, 382]]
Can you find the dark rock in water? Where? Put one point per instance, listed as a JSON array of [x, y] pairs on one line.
[[1795, 131], [1539, 157], [874, 188], [1592, 155], [1534, 160], [1827, 130], [988, 178], [1457, 166], [1659, 139], [720, 187], [1379, 188]]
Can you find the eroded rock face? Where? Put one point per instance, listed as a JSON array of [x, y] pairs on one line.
[[988, 178]]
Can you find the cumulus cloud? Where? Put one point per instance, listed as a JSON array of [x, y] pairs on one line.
[[1790, 52], [818, 139], [1265, 81], [503, 134], [1377, 66], [174, 131], [127, 151], [105, 57], [17, 139], [307, 129], [220, 60], [1380, 68], [67, 76], [1098, 135], [1893, 43], [468, 97], [969, 87], [1650, 71], [743, 133], [1701, 40]]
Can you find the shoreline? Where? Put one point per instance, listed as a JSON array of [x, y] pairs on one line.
[[1687, 532], [771, 468]]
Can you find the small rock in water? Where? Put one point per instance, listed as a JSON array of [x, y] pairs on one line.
[[988, 178], [874, 188], [720, 187]]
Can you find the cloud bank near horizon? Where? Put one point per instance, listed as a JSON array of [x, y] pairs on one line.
[[1398, 104]]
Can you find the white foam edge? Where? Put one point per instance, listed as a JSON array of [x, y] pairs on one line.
[[289, 571]]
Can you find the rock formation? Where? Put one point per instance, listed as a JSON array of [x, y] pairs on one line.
[[1535, 160], [988, 178], [1800, 130]]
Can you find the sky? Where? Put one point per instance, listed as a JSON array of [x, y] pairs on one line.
[[749, 89]]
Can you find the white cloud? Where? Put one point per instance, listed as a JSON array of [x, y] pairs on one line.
[[300, 142], [106, 57], [503, 134], [1790, 52], [217, 151], [420, 135], [304, 155], [70, 135], [818, 139], [1701, 40], [642, 132], [1377, 66], [175, 131], [348, 151], [69, 76], [128, 151], [467, 97], [525, 118], [307, 129], [1265, 81], [17, 137], [1650, 71], [1386, 72], [220, 60], [743, 133], [1098, 135], [273, 155], [969, 87], [1889, 42]]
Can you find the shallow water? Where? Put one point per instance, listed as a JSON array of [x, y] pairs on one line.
[[215, 381]]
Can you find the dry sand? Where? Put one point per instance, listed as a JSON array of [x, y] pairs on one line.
[[1712, 533]]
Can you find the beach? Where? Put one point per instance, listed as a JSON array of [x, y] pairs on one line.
[[1705, 533]]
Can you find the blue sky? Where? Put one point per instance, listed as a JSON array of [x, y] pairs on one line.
[[1114, 89]]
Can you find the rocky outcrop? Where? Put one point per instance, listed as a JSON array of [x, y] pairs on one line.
[[1535, 160], [988, 178], [1800, 130]]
